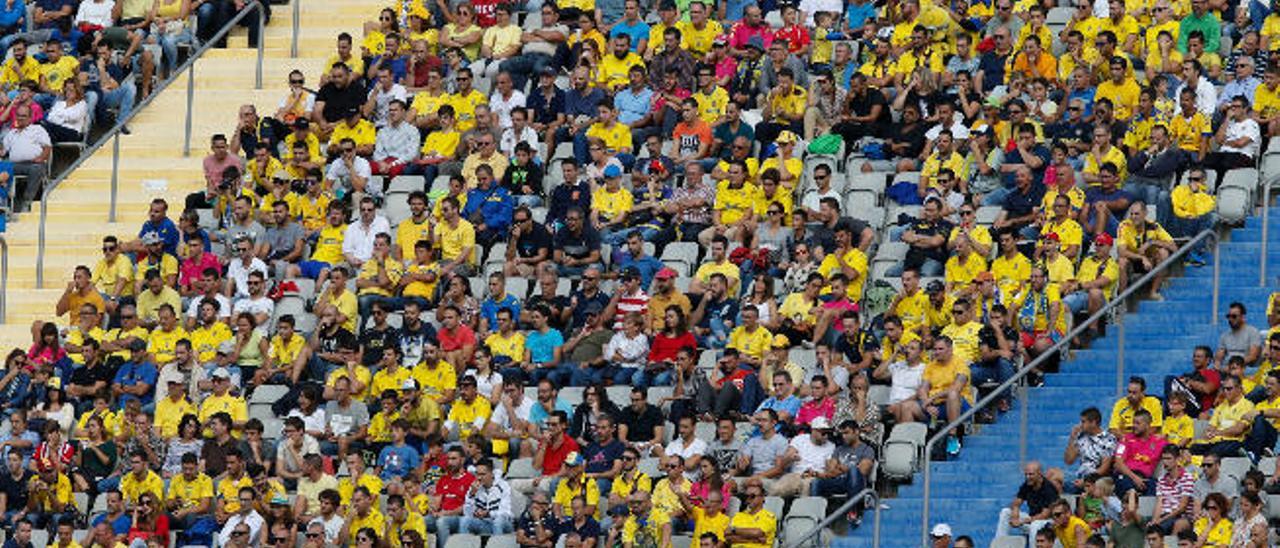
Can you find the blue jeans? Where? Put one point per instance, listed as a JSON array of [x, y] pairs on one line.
[[645, 379], [109, 483], [1189, 227], [121, 98], [996, 197], [491, 526], [522, 67], [849, 484], [621, 375], [576, 271], [442, 527], [930, 268], [169, 45], [585, 376], [997, 373]]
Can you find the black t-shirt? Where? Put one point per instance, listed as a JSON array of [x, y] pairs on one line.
[[640, 425], [1038, 499], [589, 529], [557, 304], [580, 245], [374, 341], [987, 337], [15, 489], [853, 347], [87, 376], [518, 175], [339, 339], [529, 244], [913, 136], [861, 106], [338, 101], [600, 458], [930, 229], [825, 237]]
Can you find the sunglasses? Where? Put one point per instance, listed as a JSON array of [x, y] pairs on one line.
[[299, 82]]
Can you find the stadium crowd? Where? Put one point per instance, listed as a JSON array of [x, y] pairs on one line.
[[622, 272]]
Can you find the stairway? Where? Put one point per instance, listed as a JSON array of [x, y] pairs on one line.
[[1159, 336], [224, 80]]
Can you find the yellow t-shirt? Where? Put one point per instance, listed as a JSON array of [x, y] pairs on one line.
[[799, 309], [753, 344], [940, 377], [1075, 196], [1093, 166], [611, 205], [616, 137], [328, 248], [1011, 274], [734, 203], [650, 529], [55, 74], [1189, 203], [190, 492], [511, 346], [132, 487], [1122, 413], [612, 73], [169, 414], [229, 492], [1227, 415], [698, 42], [1188, 132], [1266, 101], [1132, 239], [763, 520], [1068, 230], [422, 289], [362, 375], [442, 143], [464, 415], [960, 272], [854, 258], [1178, 429], [589, 489], [793, 165], [385, 380], [434, 381], [1091, 268], [730, 271], [711, 106], [107, 275], [409, 232], [464, 107], [413, 522], [1219, 534], [426, 104], [964, 339], [703, 523], [206, 339], [363, 133], [623, 488], [231, 405], [375, 520], [369, 271], [452, 240], [161, 343], [793, 104], [346, 304], [1059, 270], [346, 487]]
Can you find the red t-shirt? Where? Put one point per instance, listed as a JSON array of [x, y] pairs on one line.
[[456, 339], [796, 36], [453, 490], [554, 459], [689, 137], [486, 12], [665, 347], [1213, 379]]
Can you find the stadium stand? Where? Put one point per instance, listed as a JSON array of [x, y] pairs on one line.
[[480, 275]]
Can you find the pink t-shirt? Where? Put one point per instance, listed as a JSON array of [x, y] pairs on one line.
[[1141, 454], [190, 270], [812, 409]]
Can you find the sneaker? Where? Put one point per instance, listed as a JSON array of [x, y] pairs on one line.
[[953, 446]]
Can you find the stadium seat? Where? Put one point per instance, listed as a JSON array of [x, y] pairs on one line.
[[268, 394], [775, 505], [705, 431], [650, 467], [1009, 541], [1235, 467], [396, 208], [463, 541], [902, 450], [502, 541], [521, 468], [572, 395], [1234, 204], [39, 537], [681, 541], [1146, 506]]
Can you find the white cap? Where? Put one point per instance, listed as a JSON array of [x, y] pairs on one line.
[[820, 423], [940, 530]]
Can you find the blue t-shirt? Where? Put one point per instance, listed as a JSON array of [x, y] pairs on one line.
[[397, 461], [857, 14], [130, 374], [600, 458], [119, 526], [538, 415], [646, 264], [791, 405], [639, 31], [168, 234], [489, 309], [632, 106], [1094, 194], [542, 346]]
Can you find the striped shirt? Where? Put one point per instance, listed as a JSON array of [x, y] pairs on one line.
[[637, 302], [1171, 490], [495, 499]]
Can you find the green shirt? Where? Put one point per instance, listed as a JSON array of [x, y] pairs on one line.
[[1209, 24]]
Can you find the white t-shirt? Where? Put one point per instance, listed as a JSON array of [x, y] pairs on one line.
[[502, 107], [812, 457], [382, 101], [261, 305], [906, 381], [1245, 128], [238, 273], [697, 448], [95, 13], [25, 145], [501, 418], [315, 422], [224, 306], [338, 173]]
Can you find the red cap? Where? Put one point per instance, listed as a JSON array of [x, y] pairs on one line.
[[1103, 239], [665, 274], [1053, 236]]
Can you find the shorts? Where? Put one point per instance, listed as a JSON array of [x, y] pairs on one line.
[[942, 410], [312, 269], [1077, 302], [1029, 337]]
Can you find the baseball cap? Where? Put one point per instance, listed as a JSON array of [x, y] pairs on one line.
[[1103, 239], [630, 273], [302, 123], [756, 43], [935, 287], [665, 274], [781, 341], [280, 499], [594, 308], [787, 136], [138, 345], [548, 71], [221, 373], [612, 171], [226, 347], [151, 237], [1052, 236], [820, 423], [573, 459], [720, 40], [410, 384], [940, 530]]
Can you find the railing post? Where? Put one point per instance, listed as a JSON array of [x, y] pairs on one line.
[[191, 96], [44, 216], [293, 47], [1022, 425], [1266, 209], [1217, 272], [924, 502], [1120, 384], [262, 40], [4, 278], [115, 176]]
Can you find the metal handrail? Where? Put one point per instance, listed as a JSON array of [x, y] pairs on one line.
[[1266, 208], [1056, 348], [839, 513], [4, 277], [297, 22], [114, 132]]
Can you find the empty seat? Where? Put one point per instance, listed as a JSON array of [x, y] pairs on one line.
[[405, 184], [463, 541], [268, 394], [1010, 541], [521, 468]]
